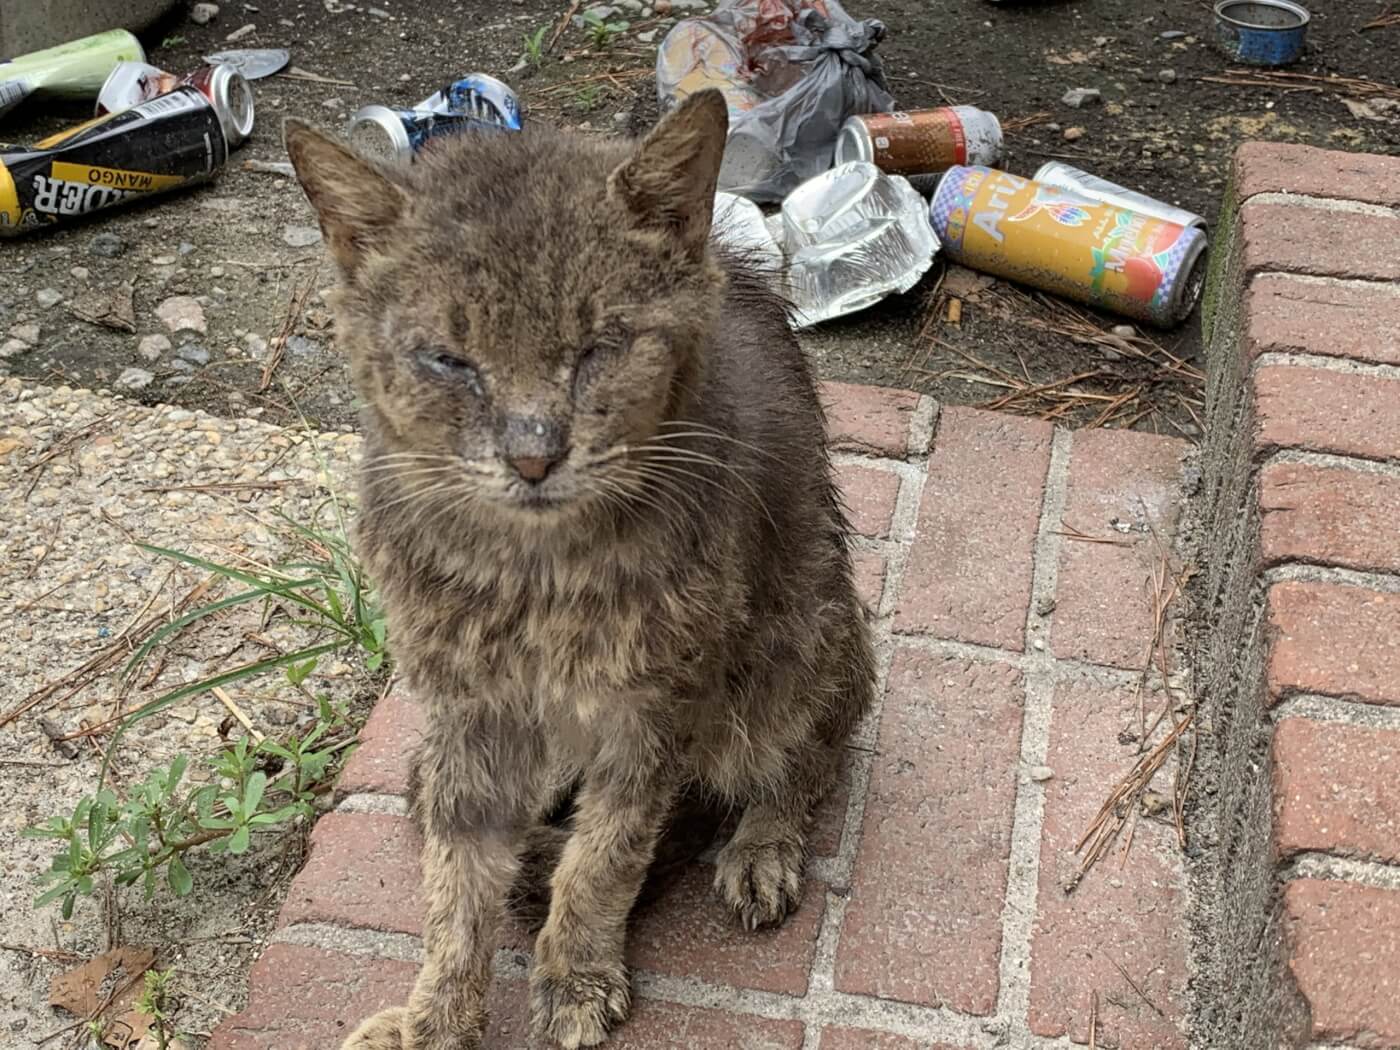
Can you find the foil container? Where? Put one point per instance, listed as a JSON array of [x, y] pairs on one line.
[[739, 223], [853, 235]]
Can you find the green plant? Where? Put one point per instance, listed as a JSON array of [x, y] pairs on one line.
[[601, 32], [253, 784], [173, 41], [587, 97], [534, 45], [154, 1003]]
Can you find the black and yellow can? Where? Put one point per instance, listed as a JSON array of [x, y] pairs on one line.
[[170, 141]]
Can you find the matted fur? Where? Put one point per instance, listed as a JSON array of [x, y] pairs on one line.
[[670, 609]]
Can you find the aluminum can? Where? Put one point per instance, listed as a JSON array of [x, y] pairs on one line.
[[156, 146], [921, 141], [72, 70], [1058, 174], [474, 103], [227, 90], [1061, 241]]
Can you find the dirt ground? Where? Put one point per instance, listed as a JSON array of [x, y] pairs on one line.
[[225, 243], [267, 350]]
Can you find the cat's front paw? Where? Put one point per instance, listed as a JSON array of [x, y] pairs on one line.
[[386, 1030], [578, 1007], [760, 881]]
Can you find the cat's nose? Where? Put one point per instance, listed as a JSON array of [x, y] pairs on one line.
[[533, 468]]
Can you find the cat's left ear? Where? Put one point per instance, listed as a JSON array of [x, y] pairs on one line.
[[356, 204], [669, 183]]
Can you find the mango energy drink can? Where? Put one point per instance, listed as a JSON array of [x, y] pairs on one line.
[[166, 142], [1061, 241], [72, 70], [225, 88], [921, 141], [1057, 174]]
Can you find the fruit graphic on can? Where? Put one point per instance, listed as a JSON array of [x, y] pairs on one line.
[[1058, 240], [921, 141]]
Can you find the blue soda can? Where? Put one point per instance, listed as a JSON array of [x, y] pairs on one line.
[[477, 103]]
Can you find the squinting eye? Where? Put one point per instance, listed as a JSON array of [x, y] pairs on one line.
[[452, 367]]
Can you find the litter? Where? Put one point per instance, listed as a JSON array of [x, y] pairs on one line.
[[476, 102], [1059, 174], [792, 71], [226, 88], [1070, 244], [253, 63], [921, 141], [1262, 32], [72, 70]]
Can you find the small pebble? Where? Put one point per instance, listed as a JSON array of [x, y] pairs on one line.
[[82, 273], [1073, 134], [1167, 76], [1040, 774], [216, 271], [203, 14], [1172, 34], [1124, 331], [301, 236], [47, 297], [194, 353], [241, 32], [163, 260], [1077, 98], [26, 333], [135, 379], [181, 313], [108, 245], [151, 347]]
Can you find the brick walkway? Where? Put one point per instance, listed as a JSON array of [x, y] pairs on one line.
[[935, 913], [1300, 655]]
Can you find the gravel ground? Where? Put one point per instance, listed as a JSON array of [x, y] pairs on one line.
[[89, 476]]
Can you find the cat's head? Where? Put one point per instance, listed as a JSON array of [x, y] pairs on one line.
[[523, 312]]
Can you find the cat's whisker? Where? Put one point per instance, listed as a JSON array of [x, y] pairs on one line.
[[698, 429], [699, 458]]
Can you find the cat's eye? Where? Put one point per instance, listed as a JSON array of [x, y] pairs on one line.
[[450, 366]]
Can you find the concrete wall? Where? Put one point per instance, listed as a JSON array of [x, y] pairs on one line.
[[31, 25]]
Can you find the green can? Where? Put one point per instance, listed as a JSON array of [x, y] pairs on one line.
[[76, 69]]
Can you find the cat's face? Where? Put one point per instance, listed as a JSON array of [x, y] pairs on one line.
[[523, 314]]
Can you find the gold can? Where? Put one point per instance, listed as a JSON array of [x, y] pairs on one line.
[[1053, 238], [921, 141]]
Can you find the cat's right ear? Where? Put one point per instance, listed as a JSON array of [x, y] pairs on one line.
[[357, 205]]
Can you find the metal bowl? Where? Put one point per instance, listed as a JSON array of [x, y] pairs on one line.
[[1261, 32]]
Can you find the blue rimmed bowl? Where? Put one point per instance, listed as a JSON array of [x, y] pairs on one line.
[[1262, 32]]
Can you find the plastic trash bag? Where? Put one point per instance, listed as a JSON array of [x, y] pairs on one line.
[[792, 71]]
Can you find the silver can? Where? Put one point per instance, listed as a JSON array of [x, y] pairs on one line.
[[228, 91], [1095, 188]]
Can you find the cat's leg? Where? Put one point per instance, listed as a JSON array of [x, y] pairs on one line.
[[476, 794], [758, 873], [579, 985]]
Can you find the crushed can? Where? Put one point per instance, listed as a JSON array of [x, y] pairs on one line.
[[172, 140], [226, 89], [921, 141], [475, 103], [72, 70], [1059, 240], [1059, 174]]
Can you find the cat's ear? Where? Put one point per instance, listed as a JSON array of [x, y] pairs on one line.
[[357, 205], [669, 183]]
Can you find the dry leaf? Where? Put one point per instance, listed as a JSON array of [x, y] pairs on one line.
[[110, 979], [114, 309], [965, 283]]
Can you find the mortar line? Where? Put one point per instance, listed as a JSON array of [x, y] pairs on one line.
[[1063, 668], [1359, 284], [1300, 572], [1023, 862], [1324, 362], [1384, 466], [1315, 864], [1308, 200], [1335, 709]]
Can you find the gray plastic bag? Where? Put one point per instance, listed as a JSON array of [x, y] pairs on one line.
[[792, 72]]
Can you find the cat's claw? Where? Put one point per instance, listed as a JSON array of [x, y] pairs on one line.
[[384, 1031], [760, 881], [578, 1008]]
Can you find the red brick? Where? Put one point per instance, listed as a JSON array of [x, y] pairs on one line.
[[969, 572], [687, 932], [1345, 942], [869, 494], [1104, 597], [1330, 516], [868, 418], [869, 570], [1295, 316], [362, 871], [380, 764], [309, 999], [1131, 916], [830, 818], [1321, 242], [1276, 167], [865, 1039], [1336, 640], [923, 923], [653, 1025], [1326, 411], [1335, 789]]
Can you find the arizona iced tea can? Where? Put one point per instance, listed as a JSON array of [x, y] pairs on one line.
[[1063, 242], [921, 141]]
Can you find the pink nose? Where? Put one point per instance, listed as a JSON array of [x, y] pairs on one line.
[[533, 468]]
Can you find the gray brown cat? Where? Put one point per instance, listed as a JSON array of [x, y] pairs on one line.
[[597, 500]]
